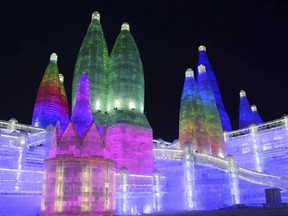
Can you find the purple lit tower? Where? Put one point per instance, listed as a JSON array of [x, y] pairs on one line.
[[50, 106], [192, 121], [78, 177], [213, 123], [129, 132], [246, 115], [203, 59]]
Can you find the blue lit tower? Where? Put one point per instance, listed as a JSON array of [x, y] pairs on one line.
[[246, 115], [256, 117], [213, 123], [203, 59], [192, 122], [93, 59]]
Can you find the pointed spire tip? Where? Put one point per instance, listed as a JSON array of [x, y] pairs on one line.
[[125, 26], [96, 15], [53, 57], [242, 93], [189, 73], [254, 108], [202, 48], [61, 77], [201, 68]]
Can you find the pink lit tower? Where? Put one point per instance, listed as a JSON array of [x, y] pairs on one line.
[[78, 176], [51, 105], [129, 132]]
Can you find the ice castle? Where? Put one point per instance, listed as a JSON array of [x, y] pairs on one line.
[[103, 160]]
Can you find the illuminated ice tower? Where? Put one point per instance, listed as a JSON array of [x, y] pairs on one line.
[[78, 176], [192, 121], [129, 132], [51, 102], [203, 59], [93, 59], [213, 123]]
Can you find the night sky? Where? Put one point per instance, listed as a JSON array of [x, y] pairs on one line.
[[247, 45]]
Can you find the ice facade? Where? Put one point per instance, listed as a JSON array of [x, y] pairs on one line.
[[104, 161]]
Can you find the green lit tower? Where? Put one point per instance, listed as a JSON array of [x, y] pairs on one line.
[[129, 132], [126, 78], [93, 59]]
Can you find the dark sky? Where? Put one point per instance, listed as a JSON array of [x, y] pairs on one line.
[[247, 44]]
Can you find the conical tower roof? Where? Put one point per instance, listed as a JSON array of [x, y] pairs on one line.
[[126, 78], [93, 59], [82, 115], [203, 59], [246, 116], [48, 104], [257, 118], [192, 122], [64, 107], [213, 125]]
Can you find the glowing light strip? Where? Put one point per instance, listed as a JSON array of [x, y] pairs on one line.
[[86, 188], [58, 205]]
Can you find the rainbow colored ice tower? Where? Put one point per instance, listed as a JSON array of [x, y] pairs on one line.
[[213, 123], [51, 104], [192, 121]]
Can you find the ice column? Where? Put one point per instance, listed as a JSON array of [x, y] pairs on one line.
[[234, 185], [189, 175], [124, 175], [255, 148], [157, 204]]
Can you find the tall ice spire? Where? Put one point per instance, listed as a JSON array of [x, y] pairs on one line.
[[203, 59], [48, 105], [93, 59], [192, 122], [82, 115], [256, 117], [126, 78], [246, 115], [213, 125]]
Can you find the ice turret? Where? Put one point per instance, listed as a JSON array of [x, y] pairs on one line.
[[129, 132], [64, 108], [126, 78], [213, 123], [82, 115], [203, 59], [256, 117], [93, 59], [246, 116], [48, 105], [192, 122]]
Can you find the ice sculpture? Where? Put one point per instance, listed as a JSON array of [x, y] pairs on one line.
[[246, 115], [93, 59], [78, 178], [224, 117], [192, 122], [49, 107], [126, 78], [213, 123]]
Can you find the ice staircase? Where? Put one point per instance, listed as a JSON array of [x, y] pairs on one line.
[[224, 164]]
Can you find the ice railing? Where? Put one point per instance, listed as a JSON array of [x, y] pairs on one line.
[[20, 181], [275, 124], [223, 164]]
